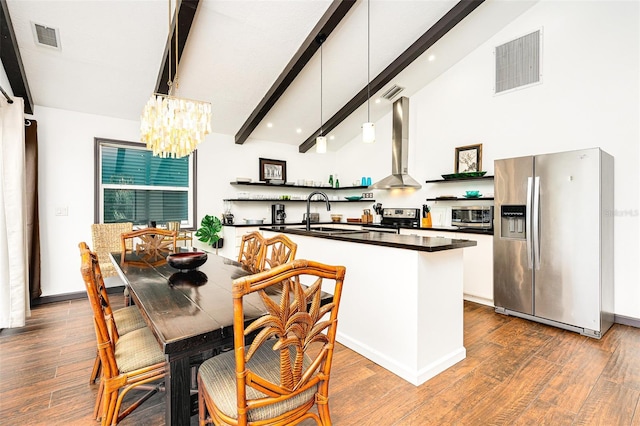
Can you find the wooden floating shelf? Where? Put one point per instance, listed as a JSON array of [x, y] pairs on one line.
[[460, 179], [460, 199], [318, 188]]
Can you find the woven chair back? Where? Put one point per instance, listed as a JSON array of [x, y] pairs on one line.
[[297, 328], [106, 239], [252, 251], [152, 243], [277, 251], [94, 284]]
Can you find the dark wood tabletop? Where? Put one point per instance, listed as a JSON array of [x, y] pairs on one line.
[[190, 313]]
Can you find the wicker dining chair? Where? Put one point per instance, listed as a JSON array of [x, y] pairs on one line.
[[121, 321], [251, 251], [106, 239], [277, 250], [152, 243], [285, 371], [128, 361]]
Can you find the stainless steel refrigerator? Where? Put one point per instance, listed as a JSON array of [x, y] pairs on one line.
[[553, 239]]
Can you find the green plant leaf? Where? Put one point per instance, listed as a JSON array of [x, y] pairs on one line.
[[209, 228]]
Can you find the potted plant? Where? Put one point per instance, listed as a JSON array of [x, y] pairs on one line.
[[210, 226]]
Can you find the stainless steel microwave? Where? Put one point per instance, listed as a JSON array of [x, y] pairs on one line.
[[472, 217]]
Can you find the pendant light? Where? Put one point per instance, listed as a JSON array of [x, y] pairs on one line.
[[368, 128], [173, 126], [321, 140]]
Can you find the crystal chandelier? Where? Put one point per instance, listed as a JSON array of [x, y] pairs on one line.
[[173, 126]]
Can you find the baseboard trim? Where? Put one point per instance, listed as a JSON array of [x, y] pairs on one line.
[[624, 320], [71, 296], [617, 319]]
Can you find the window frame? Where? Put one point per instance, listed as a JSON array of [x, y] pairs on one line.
[[98, 194]]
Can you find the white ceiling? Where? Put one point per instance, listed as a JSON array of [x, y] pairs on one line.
[[112, 51]]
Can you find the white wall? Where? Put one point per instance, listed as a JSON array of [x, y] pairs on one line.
[[66, 179], [589, 98]]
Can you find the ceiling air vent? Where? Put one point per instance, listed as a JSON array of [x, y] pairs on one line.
[[392, 92], [518, 62], [46, 36]]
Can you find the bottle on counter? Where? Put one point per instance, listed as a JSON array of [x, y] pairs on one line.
[[331, 180], [337, 185]]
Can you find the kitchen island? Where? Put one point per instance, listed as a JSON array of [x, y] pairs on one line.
[[402, 303]]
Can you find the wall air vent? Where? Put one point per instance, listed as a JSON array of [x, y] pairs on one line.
[[518, 63], [46, 36], [392, 92]]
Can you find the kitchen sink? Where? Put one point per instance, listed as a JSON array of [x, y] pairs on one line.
[[332, 231]]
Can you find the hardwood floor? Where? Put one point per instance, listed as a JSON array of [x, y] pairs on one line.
[[516, 372]]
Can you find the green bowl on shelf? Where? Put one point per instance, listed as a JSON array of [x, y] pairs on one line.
[[465, 175], [354, 198]]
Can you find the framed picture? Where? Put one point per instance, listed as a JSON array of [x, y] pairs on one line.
[[468, 159], [272, 169]]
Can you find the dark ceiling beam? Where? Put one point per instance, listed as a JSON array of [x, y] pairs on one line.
[[11, 60], [329, 21], [428, 39], [186, 14]]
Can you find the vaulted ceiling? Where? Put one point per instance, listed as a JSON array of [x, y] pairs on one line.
[[256, 61]]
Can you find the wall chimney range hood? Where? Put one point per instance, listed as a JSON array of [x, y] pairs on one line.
[[399, 177]]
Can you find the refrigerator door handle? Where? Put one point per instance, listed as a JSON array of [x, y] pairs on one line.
[[528, 223], [536, 221]]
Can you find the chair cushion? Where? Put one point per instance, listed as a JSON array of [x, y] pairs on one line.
[[219, 378], [128, 319], [137, 349]]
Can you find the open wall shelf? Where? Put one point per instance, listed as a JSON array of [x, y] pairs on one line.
[[318, 188], [460, 179]]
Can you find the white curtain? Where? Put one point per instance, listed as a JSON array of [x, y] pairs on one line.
[[14, 271]]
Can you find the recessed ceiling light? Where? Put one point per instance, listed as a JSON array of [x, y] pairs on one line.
[[269, 125], [298, 130], [332, 137], [378, 100], [432, 58]]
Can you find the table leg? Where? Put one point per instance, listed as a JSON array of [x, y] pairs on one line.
[[177, 382]]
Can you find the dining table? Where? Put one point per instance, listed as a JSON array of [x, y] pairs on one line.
[[190, 313]]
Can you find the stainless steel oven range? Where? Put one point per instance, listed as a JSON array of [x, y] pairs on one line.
[[396, 218]]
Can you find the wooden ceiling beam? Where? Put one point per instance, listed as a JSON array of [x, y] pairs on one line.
[[428, 39], [186, 14], [11, 59], [329, 21]]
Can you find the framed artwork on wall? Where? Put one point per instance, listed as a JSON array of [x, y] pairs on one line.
[[273, 170], [468, 158]]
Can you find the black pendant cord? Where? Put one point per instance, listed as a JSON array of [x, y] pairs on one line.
[[321, 39], [321, 131], [368, 61]]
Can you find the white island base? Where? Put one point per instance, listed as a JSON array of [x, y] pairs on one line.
[[400, 308]]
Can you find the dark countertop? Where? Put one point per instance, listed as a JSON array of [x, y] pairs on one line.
[[458, 230], [385, 239], [376, 225]]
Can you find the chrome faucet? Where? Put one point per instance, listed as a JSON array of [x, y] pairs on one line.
[[326, 200]]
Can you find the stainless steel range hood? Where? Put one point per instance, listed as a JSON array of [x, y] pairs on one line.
[[399, 177]]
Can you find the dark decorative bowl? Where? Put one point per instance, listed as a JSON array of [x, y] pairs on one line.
[[188, 260], [188, 279]]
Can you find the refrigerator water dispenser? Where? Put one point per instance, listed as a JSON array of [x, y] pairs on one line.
[[513, 222]]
